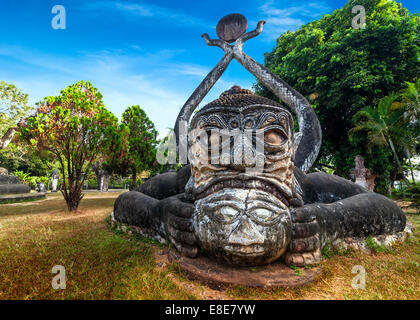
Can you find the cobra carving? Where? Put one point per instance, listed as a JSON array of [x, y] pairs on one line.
[[220, 206]]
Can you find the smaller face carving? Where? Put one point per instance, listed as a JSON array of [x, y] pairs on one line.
[[360, 162], [243, 227]]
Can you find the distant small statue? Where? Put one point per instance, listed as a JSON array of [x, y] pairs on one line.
[[361, 175], [103, 180], [54, 181], [102, 176], [40, 187]]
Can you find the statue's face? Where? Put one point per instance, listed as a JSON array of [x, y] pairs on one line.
[[359, 162], [241, 209]]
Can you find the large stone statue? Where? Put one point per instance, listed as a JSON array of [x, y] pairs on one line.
[[10, 184], [11, 190], [225, 209]]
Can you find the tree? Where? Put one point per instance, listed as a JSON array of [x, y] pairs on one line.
[[72, 128], [411, 99], [112, 160], [13, 152], [13, 107], [384, 125], [343, 70], [142, 141]]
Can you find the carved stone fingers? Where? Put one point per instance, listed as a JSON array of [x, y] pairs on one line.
[[303, 259], [305, 246], [179, 226]]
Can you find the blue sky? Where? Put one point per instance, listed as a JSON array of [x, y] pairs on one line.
[[148, 53]]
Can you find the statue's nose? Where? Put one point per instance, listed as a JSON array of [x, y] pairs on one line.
[[246, 234], [242, 157]]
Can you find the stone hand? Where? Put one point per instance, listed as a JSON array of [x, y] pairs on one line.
[[178, 217], [238, 44], [218, 43], [305, 246]]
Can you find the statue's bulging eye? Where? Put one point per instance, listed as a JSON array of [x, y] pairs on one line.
[[226, 213], [264, 214], [274, 137]]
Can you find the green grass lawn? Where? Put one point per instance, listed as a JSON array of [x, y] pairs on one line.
[[100, 264]]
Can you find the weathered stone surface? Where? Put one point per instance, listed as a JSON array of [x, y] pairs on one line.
[[3, 171], [14, 188], [218, 276], [10, 185], [231, 27], [144, 232], [387, 240], [8, 179], [241, 217]]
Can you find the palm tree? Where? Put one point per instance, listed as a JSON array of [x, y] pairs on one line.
[[385, 125], [411, 99]]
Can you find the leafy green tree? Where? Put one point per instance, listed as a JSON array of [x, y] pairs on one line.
[[17, 157], [385, 125], [142, 141], [342, 70], [13, 152], [72, 128], [13, 106], [113, 160]]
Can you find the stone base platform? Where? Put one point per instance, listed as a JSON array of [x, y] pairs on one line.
[[218, 276], [6, 198]]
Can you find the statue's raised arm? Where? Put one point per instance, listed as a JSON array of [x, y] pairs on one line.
[[309, 136], [232, 29]]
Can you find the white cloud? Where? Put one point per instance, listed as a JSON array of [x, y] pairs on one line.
[[151, 80], [134, 8], [113, 74], [279, 20], [146, 10]]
